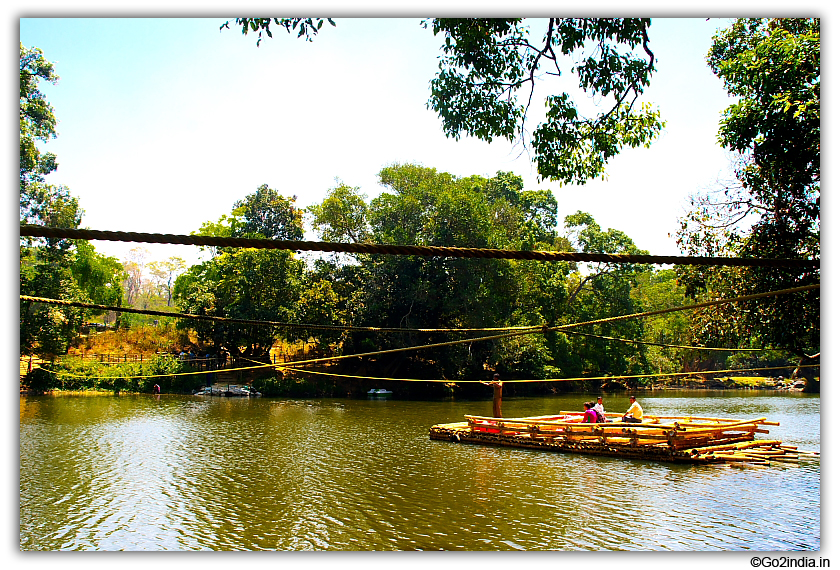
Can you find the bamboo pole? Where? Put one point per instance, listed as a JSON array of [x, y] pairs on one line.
[[740, 445], [691, 427], [704, 418], [679, 439], [739, 457]]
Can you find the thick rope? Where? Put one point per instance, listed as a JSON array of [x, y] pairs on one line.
[[426, 251], [695, 306]]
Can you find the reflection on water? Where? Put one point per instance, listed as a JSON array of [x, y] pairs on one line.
[[175, 473]]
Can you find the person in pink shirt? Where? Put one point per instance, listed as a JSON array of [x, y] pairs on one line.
[[589, 415]]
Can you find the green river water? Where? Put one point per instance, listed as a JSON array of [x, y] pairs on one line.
[[139, 472]]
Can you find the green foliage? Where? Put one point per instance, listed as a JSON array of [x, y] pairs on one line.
[[773, 66], [656, 290], [603, 290], [50, 267], [37, 122], [99, 276], [267, 214], [251, 284], [293, 387], [39, 380], [424, 207], [320, 304], [490, 52], [46, 270], [486, 62], [342, 216], [305, 27], [71, 373], [527, 356], [764, 359]]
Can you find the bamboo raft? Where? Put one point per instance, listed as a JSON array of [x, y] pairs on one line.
[[676, 439]]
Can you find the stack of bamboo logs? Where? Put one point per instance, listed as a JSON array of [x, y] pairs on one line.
[[686, 439]]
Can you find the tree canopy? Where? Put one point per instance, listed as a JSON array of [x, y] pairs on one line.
[[51, 267], [37, 120], [252, 284], [772, 210]]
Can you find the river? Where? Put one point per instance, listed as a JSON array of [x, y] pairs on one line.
[[139, 472]]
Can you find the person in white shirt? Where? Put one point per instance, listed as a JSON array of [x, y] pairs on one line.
[[634, 414], [599, 409]]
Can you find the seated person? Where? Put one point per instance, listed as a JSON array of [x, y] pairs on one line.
[[589, 415], [599, 410], [634, 414]]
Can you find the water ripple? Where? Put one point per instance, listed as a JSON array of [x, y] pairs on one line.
[[183, 473]]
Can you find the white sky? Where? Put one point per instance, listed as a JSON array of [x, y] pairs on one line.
[[164, 123]]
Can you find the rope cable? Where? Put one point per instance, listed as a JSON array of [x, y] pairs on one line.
[[63, 373], [536, 329], [285, 367], [567, 326], [664, 345], [619, 377], [426, 251], [283, 324]]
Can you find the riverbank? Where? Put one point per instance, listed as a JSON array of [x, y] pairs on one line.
[[726, 384], [740, 383]]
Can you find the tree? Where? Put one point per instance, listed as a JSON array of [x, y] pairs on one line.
[[660, 289], [99, 276], [165, 272], [37, 123], [342, 216], [773, 67], [264, 214], [486, 62], [45, 264], [267, 214], [249, 284], [46, 271], [47, 330], [422, 206], [603, 290], [134, 268]]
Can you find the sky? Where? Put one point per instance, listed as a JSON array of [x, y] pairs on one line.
[[164, 123]]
